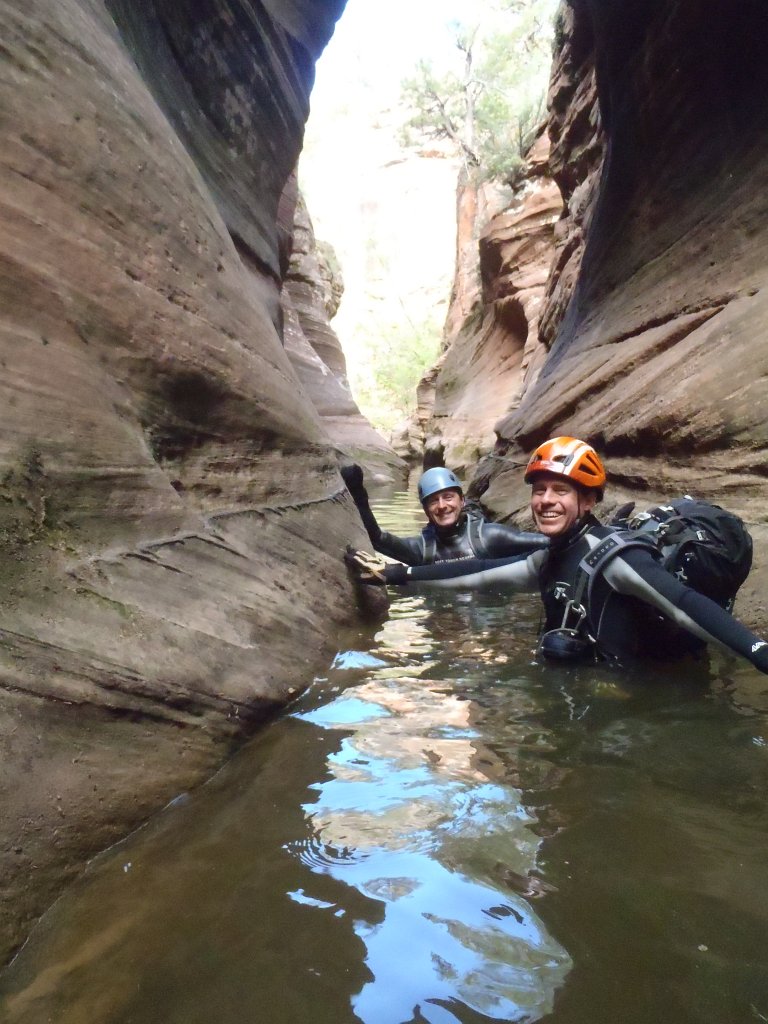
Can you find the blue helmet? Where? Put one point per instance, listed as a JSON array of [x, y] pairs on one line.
[[438, 479]]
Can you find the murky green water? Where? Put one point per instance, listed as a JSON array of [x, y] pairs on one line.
[[442, 831]]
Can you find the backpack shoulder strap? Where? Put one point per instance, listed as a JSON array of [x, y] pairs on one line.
[[475, 534], [428, 545], [595, 561]]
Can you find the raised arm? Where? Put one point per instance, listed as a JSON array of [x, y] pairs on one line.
[[404, 549]]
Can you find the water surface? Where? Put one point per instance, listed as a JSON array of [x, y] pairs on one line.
[[442, 830]]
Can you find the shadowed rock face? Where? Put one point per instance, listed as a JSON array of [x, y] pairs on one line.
[[660, 357], [651, 325], [575, 159], [172, 515]]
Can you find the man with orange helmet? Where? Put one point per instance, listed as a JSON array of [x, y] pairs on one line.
[[631, 608], [567, 479]]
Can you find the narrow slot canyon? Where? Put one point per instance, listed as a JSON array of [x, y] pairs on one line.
[[182, 388]]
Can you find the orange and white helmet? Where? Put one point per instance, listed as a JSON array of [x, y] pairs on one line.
[[571, 458]]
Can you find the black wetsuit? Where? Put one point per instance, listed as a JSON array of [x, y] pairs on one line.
[[473, 536], [637, 608]]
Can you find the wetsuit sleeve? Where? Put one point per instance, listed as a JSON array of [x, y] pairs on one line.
[[638, 574], [503, 541], [520, 573], [353, 478], [404, 549]]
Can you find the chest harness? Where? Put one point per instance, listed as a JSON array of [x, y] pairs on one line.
[[577, 635], [471, 529]]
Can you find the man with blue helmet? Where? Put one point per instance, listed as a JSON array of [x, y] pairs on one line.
[[454, 530]]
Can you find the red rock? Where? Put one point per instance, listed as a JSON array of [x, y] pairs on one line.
[[172, 514], [495, 351], [659, 357]]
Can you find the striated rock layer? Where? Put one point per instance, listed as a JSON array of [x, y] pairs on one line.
[[651, 325], [660, 357], [171, 513]]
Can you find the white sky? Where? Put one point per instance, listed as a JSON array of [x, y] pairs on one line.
[[375, 45], [389, 213]]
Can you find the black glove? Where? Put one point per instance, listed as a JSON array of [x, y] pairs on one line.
[[760, 658], [352, 475], [396, 573], [621, 516], [353, 478]]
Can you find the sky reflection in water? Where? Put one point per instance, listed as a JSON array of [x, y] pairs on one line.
[[417, 825]]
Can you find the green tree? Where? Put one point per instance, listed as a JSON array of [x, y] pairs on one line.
[[400, 352], [488, 104]]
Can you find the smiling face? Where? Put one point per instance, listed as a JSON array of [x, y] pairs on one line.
[[443, 508], [556, 503]]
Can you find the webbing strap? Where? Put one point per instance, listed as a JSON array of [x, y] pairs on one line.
[[475, 531], [595, 561]]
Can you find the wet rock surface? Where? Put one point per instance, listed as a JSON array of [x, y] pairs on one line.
[[650, 337], [172, 517]]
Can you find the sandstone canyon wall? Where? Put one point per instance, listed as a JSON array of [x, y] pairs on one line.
[[660, 356], [172, 515], [652, 328], [491, 347]]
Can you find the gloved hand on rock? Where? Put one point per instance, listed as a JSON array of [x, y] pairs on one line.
[[365, 567]]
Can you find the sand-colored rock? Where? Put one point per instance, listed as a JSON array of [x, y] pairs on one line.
[[172, 516]]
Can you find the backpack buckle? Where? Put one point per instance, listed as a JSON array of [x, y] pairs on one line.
[[639, 519]]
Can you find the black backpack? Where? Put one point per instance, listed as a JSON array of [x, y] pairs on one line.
[[706, 547]]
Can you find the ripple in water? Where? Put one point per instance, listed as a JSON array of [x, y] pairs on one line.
[[376, 856]]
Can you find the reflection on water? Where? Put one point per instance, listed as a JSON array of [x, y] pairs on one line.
[[415, 822], [442, 830]]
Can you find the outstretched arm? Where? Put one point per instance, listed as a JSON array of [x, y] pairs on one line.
[[638, 574], [519, 573], [503, 541]]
